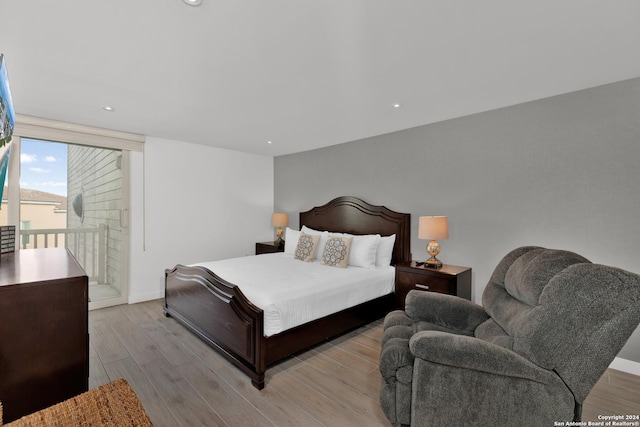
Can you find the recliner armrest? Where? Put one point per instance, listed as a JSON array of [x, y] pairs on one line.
[[462, 380], [475, 354], [444, 310]]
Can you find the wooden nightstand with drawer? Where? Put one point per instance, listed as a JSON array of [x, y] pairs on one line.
[[450, 279]]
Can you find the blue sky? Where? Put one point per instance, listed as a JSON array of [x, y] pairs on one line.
[[43, 166]]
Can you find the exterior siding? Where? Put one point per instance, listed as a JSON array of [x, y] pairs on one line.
[[95, 173]]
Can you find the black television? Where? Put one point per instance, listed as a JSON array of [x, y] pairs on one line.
[[7, 122]]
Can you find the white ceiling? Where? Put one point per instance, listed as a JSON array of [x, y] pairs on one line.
[[304, 73]]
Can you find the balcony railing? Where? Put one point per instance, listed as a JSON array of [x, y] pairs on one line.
[[88, 245]]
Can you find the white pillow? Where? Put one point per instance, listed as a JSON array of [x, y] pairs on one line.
[[324, 235], [363, 251], [385, 250], [291, 238]]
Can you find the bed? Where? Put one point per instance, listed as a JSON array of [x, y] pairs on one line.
[[220, 314]]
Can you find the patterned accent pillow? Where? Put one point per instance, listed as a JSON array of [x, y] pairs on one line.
[[306, 248], [336, 252]]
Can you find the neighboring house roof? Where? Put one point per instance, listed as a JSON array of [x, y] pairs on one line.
[[28, 195]]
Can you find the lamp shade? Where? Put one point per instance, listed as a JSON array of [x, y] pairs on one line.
[[279, 220], [433, 227]]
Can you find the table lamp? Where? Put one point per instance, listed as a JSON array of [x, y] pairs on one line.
[[279, 220], [433, 228]]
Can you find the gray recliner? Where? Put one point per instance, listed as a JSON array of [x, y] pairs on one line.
[[550, 325]]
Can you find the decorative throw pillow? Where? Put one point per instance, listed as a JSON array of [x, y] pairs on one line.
[[323, 237], [306, 248], [336, 251]]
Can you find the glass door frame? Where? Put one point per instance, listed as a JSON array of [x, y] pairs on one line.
[[50, 130]]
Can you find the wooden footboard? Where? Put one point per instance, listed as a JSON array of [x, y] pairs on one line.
[[219, 313]]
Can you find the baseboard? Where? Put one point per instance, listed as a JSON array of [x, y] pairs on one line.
[[149, 296], [624, 365]]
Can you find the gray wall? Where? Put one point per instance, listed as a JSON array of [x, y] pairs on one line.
[[560, 172]]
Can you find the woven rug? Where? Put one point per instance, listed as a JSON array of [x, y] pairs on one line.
[[112, 404]]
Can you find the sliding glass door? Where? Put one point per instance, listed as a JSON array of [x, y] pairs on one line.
[[97, 206], [76, 196], [83, 172]]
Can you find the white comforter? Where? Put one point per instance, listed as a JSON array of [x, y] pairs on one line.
[[293, 292]]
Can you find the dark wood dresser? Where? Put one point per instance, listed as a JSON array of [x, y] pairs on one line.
[[44, 340]]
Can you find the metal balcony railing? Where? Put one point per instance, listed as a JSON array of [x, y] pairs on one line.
[[88, 245]]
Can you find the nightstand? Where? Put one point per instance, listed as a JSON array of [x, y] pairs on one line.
[[268, 248], [450, 279]]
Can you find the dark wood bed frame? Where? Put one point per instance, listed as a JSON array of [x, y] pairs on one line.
[[219, 313]]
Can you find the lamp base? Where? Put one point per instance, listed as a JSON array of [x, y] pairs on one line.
[[279, 234], [433, 249], [433, 262]]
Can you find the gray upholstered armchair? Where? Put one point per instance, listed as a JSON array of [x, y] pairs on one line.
[[550, 324]]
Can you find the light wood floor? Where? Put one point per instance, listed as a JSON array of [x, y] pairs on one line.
[[182, 382]]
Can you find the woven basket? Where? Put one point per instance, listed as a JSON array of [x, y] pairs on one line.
[[112, 404]]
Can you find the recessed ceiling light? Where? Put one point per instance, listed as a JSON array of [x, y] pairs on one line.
[[397, 105], [268, 142], [193, 2], [107, 108]]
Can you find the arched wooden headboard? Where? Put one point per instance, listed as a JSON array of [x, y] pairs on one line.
[[355, 216]]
